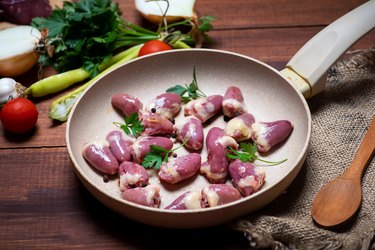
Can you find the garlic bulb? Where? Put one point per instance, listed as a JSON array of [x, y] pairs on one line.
[[10, 89]]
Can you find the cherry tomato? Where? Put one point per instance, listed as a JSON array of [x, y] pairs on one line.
[[19, 115], [153, 46]]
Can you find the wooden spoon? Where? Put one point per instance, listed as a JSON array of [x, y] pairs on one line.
[[339, 199]]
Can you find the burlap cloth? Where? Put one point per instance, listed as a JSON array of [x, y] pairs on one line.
[[340, 118]]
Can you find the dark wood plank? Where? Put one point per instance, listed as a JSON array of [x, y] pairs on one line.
[[274, 46], [260, 13], [43, 205]]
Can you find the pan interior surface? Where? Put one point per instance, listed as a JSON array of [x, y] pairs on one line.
[[268, 97]]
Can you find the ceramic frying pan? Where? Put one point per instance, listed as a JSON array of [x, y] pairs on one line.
[[269, 95]]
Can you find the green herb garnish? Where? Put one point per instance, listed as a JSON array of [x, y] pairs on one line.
[[132, 125], [158, 155], [192, 90], [248, 152]]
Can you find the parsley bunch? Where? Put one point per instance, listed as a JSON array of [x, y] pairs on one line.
[[82, 34], [87, 33]]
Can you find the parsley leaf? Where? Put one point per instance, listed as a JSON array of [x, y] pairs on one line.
[[158, 155], [152, 159], [205, 26], [192, 90], [132, 125], [178, 89], [248, 152]]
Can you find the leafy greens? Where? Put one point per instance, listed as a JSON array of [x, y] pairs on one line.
[[82, 33], [87, 33]]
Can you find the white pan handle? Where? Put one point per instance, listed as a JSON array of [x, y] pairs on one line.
[[307, 69]]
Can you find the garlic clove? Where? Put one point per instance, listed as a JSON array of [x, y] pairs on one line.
[[7, 89], [153, 10], [10, 89]]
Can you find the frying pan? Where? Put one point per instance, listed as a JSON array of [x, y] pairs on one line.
[[269, 95]]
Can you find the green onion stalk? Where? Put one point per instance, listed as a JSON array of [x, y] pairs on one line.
[[60, 108]]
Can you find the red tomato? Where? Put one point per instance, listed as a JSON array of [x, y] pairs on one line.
[[153, 46], [19, 115]]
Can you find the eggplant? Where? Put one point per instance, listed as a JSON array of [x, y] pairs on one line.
[[23, 11]]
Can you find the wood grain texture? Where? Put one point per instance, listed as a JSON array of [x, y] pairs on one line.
[[43, 205], [263, 13]]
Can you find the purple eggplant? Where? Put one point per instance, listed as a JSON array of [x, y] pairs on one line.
[[132, 175], [23, 11], [100, 157], [269, 134], [233, 102], [167, 105], [205, 107], [128, 104], [239, 128], [190, 128], [180, 168], [245, 178]]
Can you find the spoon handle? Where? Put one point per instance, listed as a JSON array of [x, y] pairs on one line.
[[364, 154]]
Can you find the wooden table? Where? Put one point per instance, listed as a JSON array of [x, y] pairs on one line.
[[43, 205]]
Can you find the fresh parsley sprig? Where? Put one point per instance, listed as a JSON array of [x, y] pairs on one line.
[[248, 152], [155, 157], [87, 33], [158, 155], [82, 34], [132, 125], [192, 90]]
